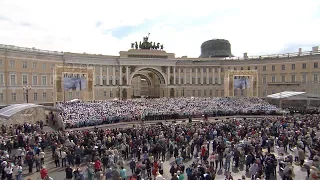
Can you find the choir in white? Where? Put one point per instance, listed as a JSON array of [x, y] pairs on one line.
[[78, 114]]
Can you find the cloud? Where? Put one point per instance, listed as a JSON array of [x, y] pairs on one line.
[[103, 27]]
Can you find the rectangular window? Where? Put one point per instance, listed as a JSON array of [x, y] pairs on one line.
[[264, 80], [304, 78], [241, 68], [273, 79], [293, 78], [12, 63], [315, 65], [204, 92], [13, 97], [110, 80], [35, 96], [199, 92], [44, 66], [12, 79], [34, 65], [181, 81], [111, 93], [315, 78], [193, 92], [204, 69], [256, 67], [283, 78], [249, 68], [24, 64], [204, 80], [264, 68], [105, 93], [304, 65], [273, 67], [193, 80], [1, 63], [51, 80], [210, 92], [24, 79], [1, 79], [283, 67], [44, 95], [97, 80], [1, 97], [199, 80], [34, 80], [235, 68], [104, 80], [293, 66], [210, 80], [44, 80]]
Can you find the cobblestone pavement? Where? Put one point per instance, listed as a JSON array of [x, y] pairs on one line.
[[59, 173]]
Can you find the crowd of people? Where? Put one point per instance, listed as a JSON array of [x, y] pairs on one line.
[[80, 114], [196, 151]]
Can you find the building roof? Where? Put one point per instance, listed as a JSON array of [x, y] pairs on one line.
[[284, 94], [8, 111]]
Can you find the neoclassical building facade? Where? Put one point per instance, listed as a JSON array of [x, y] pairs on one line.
[[151, 73]]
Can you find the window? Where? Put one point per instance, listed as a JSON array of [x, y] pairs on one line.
[[1, 97], [105, 93], [111, 93], [264, 80], [193, 92], [241, 68], [315, 78], [44, 95], [204, 80], [69, 95], [241, 92], [210, 80], [273, 79], [24, 79], [44, 66], [204, 69], [192, 70], [283, 67], [12, 79], [1, 79], [199, 92], [110, 80], [34, 80], [210, 92], [304, 65], [13, 97], [199, 81], [293, 66], [235, 68], [24, 64], [44, 80], [273, 67], [204, 92], [315, 65], [104, 80], [264, 68], [35, 96], [249, 68], [193, 80], [51, 80], [12, 63], [256, 67], [1, 63], [117, 80], [34, 65], [210, 70], [293, 78], [181, 79], [97, 80], [304, 78], [283, 78]]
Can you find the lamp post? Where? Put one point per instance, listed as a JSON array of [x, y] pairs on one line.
[[27, 88]]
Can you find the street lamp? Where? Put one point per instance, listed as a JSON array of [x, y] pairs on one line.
[[27, 88]]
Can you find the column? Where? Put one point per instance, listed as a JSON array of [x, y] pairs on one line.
[[185, 76], [196, 75], [113, 75], [213, 76], [168, 74], [207, 70], [101, 83], [127, 74], [174, 75], [219, 75], [107, 75], [120, 72], [201, 80], [179, 77], [190, 72]]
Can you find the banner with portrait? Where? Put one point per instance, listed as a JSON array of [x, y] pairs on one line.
[[75, 81], [241, 82]]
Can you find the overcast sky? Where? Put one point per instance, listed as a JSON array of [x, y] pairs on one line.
[[107, 27]]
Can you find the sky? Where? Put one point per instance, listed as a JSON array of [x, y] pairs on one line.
[[107, 27]]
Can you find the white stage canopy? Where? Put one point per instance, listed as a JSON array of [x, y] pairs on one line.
[[284, 94]]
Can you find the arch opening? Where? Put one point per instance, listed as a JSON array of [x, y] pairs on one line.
[[147, 83]]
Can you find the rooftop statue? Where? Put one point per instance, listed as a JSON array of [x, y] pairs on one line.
[[145, 44]]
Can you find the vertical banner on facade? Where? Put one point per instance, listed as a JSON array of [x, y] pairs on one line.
[[74, 81]]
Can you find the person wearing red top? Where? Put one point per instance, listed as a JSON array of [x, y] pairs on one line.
[[97, 165], [43, 173]]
